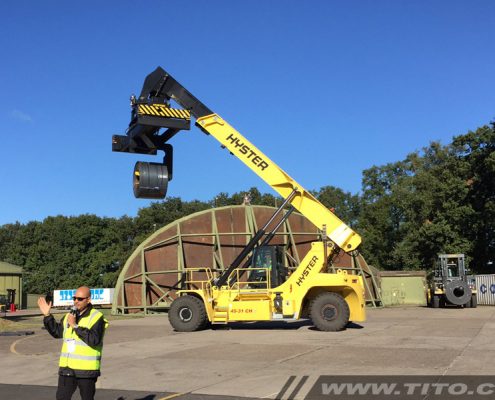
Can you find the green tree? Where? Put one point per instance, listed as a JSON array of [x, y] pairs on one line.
[[478, 150], [436, 201], [345, 205]]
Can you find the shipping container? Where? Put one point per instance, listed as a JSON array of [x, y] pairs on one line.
[[400, 288], [486, 289]]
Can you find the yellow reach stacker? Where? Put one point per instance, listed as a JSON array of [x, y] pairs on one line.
[[256, 286]]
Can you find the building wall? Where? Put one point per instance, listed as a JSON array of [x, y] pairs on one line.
[[12, 281]]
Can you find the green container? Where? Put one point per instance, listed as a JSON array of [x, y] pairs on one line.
[[403, 289]]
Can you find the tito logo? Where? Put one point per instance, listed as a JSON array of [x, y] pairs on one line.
[[248, 152]]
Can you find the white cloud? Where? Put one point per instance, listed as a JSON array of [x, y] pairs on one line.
[[21, 116]]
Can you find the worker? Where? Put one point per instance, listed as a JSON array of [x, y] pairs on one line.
[[82, 330]]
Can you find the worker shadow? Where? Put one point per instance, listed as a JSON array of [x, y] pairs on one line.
[[147, 397]]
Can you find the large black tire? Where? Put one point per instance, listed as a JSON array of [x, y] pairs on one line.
[[187, 314], [457, 292], [329, 312], [435, 301], [474, 301]]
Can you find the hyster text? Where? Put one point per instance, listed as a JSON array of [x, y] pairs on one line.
[[250, 154]]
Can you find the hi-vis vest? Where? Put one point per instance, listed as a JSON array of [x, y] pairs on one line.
[[75, 353]]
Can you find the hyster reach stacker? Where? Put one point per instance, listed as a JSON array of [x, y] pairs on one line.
[[256, 286]]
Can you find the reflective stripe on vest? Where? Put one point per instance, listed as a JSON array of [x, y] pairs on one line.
[[78, 357], [83, 356]]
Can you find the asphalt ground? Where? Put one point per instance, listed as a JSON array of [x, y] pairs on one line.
[[144, 358], [37, 392]]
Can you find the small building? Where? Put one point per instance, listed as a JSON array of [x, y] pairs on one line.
[[11, 279]]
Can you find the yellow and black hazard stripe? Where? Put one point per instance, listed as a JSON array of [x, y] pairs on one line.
[[160, 110]]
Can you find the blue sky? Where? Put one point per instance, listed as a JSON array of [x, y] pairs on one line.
[[324, 88]]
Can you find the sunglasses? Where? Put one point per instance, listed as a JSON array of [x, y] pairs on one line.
[[79, 298]]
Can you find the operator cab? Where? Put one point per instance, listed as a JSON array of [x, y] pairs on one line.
[[452, 271], [267, 259], [451, 267]]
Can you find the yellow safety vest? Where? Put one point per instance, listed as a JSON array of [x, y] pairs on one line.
[[75, 353]]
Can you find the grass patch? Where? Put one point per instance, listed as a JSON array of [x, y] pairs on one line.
[[20, 324]]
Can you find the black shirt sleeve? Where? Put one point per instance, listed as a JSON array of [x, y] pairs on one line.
[[54, 328]]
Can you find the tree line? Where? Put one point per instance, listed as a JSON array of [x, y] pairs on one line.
[[440, 199]]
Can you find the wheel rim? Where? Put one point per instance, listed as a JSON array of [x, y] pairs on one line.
[[185, 314], [329, 312]]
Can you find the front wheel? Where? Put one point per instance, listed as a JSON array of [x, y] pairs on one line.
[[187, 314], [474, 301], [329, 312]]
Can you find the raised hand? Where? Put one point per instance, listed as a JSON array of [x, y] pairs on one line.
[[44, 306]]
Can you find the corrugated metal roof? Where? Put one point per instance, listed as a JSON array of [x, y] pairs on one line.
[[6, 268]]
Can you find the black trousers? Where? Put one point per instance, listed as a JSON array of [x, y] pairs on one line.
[[67, 385]]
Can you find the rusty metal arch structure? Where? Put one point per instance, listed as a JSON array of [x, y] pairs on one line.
[[210, 238]]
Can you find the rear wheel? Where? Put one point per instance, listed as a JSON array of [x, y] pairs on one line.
[[443, 301], [187, 314], [435, 301], [329, 312]]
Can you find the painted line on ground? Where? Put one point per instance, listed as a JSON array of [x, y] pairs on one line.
[[14, 344], [173, 396]]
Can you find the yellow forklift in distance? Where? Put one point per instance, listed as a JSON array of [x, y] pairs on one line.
[[450, 284], [256, 286]]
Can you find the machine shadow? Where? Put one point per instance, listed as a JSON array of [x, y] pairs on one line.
[[275, 325], [263, 325]]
